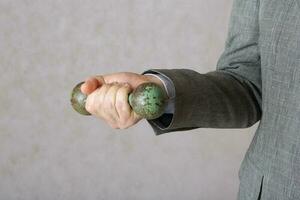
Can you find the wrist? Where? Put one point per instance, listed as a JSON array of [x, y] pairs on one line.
[[154, 79]]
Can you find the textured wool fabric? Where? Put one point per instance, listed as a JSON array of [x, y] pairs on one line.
[[257, 78]]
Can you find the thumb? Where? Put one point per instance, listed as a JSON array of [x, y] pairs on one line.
[[91, 84], [133, 79]]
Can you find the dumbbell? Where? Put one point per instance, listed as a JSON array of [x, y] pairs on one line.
[[148, 100]]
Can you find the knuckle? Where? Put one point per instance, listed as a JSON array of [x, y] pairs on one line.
[[124, 119], [109, 118], [124, 127], [89, 107], [105, 86], [125, 123], [122, 89], [109, 122], [122, 124], [113, 86], [125, 89], [103, 89], [114, 126]]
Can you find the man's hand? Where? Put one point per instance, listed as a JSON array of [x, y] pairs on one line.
[[108, 97]]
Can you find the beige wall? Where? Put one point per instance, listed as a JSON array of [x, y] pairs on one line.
[[47, 151]]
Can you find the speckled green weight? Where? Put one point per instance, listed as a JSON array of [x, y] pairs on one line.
[[148, 100], [78, 100]]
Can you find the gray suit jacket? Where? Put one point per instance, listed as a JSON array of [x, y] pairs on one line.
[[257, 78]]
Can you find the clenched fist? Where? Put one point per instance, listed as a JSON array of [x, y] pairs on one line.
[[108, 97]]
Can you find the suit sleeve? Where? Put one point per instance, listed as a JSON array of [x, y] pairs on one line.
[[230, 96]]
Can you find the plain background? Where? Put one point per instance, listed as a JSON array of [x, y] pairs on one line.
[[47, 151]]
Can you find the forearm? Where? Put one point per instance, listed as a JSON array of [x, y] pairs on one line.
[[213, 100]]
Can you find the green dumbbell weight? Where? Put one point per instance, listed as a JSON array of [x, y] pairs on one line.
[[148, 100]]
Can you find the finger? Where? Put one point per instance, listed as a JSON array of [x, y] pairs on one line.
[[134, 118], [125, 77], [122, 106], [91, 101], [95, 105], [91, 84], [94, 102], [109, 103], [112, 124], [115, 77], [98, 107]]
